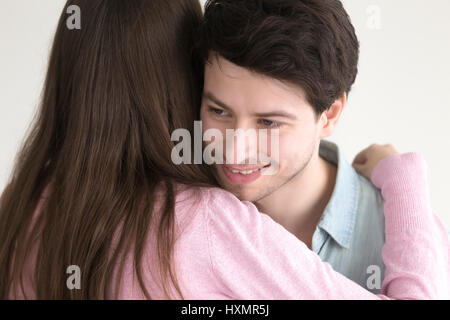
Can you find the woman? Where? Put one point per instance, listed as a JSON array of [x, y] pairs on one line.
[[94, 185]]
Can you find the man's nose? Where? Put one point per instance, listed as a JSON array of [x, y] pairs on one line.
[[244, 143]]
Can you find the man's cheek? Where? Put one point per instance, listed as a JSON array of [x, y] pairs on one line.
[[289, 155]]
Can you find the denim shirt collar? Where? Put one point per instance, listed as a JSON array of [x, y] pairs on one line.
[[338, 219]]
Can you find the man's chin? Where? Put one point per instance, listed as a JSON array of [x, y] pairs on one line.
[[241, 193], [249, 192], [243, 197]]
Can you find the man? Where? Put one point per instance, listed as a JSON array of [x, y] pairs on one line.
[[290, 65]]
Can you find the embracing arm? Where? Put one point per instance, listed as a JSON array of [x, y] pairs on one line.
[[253, 257]]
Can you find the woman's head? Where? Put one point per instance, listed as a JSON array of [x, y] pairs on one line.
[[115, 90], [124, 80]]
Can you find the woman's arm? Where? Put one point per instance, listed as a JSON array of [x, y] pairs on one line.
[[253, 257]]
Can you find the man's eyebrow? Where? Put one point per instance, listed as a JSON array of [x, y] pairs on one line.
[[283, 114], [208, 95], [280, 113]]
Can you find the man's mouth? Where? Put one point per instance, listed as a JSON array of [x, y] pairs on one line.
[[246, 170], [243, 174]]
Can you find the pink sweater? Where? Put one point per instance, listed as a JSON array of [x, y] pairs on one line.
[[228, 250]]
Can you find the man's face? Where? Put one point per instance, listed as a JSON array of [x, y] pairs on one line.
[[235, 98]]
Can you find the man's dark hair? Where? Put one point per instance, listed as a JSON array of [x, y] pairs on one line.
[[309, 43]]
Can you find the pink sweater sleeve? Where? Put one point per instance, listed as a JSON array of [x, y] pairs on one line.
[[253, 257]]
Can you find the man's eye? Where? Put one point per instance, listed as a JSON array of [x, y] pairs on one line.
[[218, 112], [268, 123]]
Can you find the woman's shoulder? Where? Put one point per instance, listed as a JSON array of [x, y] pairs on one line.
[[217, 204]]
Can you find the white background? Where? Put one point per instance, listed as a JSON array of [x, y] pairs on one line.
[[401, 95]]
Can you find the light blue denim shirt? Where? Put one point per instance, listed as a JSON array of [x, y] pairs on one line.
[[350, 234]]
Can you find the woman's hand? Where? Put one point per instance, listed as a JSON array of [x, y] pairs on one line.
[[367, 160]]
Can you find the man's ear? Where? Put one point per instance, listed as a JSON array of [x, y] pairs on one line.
[[330, 118]]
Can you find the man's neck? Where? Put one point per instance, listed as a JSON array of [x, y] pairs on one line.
[[299, 204]]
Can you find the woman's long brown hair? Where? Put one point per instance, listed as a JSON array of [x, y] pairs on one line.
[[114, 92]]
